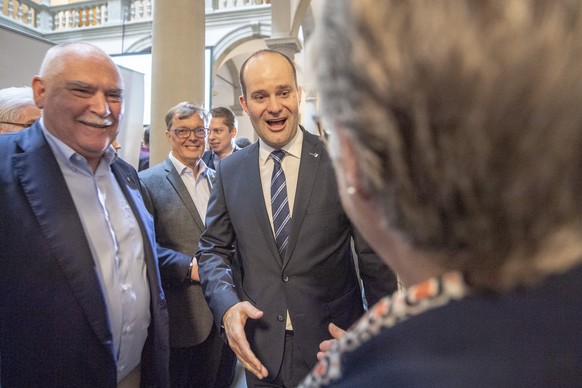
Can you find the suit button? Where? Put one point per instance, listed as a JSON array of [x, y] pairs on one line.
[[285, 278], [280, 318]]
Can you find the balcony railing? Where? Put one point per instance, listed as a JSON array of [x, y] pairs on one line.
[[95, 13]]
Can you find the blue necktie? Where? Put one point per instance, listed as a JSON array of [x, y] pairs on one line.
[[280, 203]]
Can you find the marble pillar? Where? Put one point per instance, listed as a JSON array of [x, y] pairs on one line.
[[178, 43]]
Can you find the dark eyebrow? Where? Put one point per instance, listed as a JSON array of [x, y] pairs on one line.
[[261, 91]]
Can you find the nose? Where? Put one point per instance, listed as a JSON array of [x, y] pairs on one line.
[[192, 137], [100, 105], [274, 105]]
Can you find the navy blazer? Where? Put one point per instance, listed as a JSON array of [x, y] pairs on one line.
[[54, 329], [208, 157], [316, 280]]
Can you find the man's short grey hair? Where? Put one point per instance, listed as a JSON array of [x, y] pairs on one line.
[[467, 120], [183, 110]]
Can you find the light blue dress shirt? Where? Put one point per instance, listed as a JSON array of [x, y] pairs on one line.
[[117, 247]]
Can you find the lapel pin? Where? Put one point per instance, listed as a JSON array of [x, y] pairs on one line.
[[314, 154]]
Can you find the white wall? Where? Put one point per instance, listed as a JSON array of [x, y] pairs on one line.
[[20, 57]]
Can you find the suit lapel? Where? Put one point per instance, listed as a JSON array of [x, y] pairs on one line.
[[53, 206], [176, 182], [310, 156], [129, 183]]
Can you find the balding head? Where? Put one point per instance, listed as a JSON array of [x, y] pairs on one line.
[[80, 89]]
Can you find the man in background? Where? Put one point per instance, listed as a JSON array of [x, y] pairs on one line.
[[17, 109], [242, 142], [144, 152], [221, 134]]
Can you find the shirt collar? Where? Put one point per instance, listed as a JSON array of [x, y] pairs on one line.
[[293, 148], [183, 169]]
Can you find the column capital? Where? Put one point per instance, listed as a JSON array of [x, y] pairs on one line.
[[288, 45]]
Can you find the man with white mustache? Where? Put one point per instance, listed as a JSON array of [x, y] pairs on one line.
[[80, 293]]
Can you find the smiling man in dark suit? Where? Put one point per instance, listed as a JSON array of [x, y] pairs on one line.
[[277, 202], [81, 303]]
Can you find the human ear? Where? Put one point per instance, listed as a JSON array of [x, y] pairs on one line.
[[38, 89], [349, 163], [243, 103]]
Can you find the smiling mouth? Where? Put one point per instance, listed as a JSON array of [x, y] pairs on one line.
[[276, 123]]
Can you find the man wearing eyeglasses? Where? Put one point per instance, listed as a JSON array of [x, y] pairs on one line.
[[81, 302], [17, 109], [176, 192]]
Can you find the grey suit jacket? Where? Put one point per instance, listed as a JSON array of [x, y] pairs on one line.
[[178, 227], [316, 280], [54, 329]]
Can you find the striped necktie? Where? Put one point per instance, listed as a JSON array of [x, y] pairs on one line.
[[280, 203]]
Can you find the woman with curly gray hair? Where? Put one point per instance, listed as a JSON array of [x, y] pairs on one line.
[[456, 134]]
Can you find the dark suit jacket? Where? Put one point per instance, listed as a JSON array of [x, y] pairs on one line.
[[54, 329], [208, 157], [316, 280], [527, 338], [178, 227]]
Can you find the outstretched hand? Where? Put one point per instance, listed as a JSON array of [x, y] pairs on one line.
[[234, 321], [324, 346]]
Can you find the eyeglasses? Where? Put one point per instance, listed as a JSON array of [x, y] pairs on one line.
[[23, 125], [184, 133]]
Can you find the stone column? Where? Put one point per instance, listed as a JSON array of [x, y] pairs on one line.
[[178, 43], [309, 110], [281, 38], [287, 45]]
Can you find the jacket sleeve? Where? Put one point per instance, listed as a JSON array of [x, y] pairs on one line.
[[377, 277], [215, 254]]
